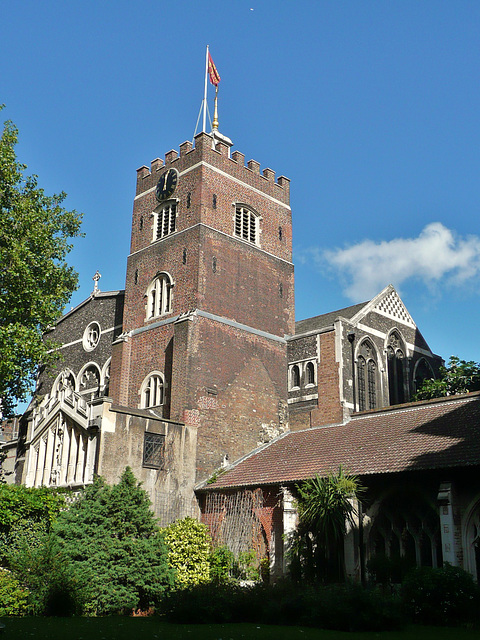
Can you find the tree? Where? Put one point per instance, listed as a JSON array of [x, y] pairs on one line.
[[35, 281], [325, 506], [113, 548], [459, 376]]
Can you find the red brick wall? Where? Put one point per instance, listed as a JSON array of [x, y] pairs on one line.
[[225, 381]]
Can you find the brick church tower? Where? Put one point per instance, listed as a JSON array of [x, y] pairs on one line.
[[209, 299]]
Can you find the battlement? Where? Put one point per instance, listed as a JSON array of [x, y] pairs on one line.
[[216, 152]]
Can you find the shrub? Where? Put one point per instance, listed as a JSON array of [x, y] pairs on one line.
[[13, 597], [221, 562], [46, 571], [189, 545], [447, 596], [341, 607], [26, 514]]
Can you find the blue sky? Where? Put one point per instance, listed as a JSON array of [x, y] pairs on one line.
[[370, 108]]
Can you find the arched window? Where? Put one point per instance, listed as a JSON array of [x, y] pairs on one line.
[[423, 371], [246, 224], [396, 369], [165, 221], [406, 525], [89, 381], [159, 296], [310, 373], [367, 376], [295, 376], [153, 391]]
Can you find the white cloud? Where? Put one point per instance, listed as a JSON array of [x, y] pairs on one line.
[[436, 256]]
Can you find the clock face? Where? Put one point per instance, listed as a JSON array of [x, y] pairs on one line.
[[166, 185]]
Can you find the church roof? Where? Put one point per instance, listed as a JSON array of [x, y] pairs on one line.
[[433, 434], [327, 319]]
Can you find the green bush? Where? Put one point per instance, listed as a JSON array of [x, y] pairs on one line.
[[447, 596], [190, 546], [13, 597], [388, 570], [341, 607], [221, 562], [46, 571], [26, 514]]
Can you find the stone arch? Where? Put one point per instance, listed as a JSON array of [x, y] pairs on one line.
[[471, 539], [89, 379]]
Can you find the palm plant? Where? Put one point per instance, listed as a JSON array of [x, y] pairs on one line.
[[325, 506]]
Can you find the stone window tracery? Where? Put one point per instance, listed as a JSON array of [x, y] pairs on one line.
[[153, 391], [396, 368], [367, 376], [91, 336], [159, 296], [90, 381]]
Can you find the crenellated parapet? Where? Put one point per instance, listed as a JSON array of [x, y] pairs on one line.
[[216, 153]]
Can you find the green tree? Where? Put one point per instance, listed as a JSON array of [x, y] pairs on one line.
[[325, 506], [35, 281], [459, 376], [106, 550]]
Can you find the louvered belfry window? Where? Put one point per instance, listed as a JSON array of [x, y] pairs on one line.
[[246, 224], [166, 220]]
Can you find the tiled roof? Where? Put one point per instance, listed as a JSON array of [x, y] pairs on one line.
[[423, 435], [327, 319]]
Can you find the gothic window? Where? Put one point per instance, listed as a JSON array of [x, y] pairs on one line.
[[159, 296], [90, 381], [406, 526], [423, 371], [246, 224], [310, 373], [367, 377], [153, 391], [396, 369], [165, 220], [154, 450], [295, 376]]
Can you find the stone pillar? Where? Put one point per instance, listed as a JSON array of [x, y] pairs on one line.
[[62, 480], [447, 525], [352, 566], [289, 524], [79, 471], [40, 461], [32, 457], [72, 458]]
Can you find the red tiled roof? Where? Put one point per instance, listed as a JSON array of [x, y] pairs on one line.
[[432, 435]]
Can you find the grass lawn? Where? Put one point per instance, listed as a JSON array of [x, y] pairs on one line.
[[117, 628]]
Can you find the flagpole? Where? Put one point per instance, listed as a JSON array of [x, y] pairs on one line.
[[205, 95]]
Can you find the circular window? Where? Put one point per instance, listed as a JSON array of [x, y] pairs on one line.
[[91, 336]]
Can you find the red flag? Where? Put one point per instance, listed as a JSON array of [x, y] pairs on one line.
[[212, 71]]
